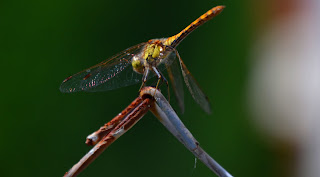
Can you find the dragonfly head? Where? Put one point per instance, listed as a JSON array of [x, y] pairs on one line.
[[137, 64]]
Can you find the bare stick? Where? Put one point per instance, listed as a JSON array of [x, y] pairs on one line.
[[151, 99]]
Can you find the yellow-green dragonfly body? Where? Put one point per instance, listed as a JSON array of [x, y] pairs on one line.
[[126, 67]]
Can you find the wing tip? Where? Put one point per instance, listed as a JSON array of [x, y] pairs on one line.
[[206, 106], [63, 90], [208, 110]]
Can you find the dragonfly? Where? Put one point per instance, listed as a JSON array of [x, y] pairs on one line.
[[141, 62]]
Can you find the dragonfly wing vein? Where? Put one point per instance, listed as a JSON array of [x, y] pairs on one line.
[[112, 73], [194, 88]]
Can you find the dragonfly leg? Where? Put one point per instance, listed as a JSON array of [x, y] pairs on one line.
[[161, 78], [144, 78]]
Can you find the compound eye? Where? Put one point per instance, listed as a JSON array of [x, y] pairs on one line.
[[137, 65]]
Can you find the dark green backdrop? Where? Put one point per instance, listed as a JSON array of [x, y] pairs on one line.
[[43, 131]]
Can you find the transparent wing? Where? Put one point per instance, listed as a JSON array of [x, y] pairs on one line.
[[196, 92], [176, 80], [112, 73]]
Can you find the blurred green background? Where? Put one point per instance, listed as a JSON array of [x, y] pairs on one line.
[[43, 131]]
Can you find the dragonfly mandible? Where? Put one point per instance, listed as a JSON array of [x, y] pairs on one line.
[[153, 56]]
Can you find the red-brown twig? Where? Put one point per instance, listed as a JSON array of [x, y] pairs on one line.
[[130, 119], [96, 136]]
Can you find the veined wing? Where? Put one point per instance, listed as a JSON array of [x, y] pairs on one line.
[[176, 80], [196, 92], [112, 73]]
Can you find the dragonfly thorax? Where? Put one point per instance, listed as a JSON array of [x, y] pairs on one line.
[[152, 55]]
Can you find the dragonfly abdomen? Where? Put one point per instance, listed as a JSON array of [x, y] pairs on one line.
[[173, 41]]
